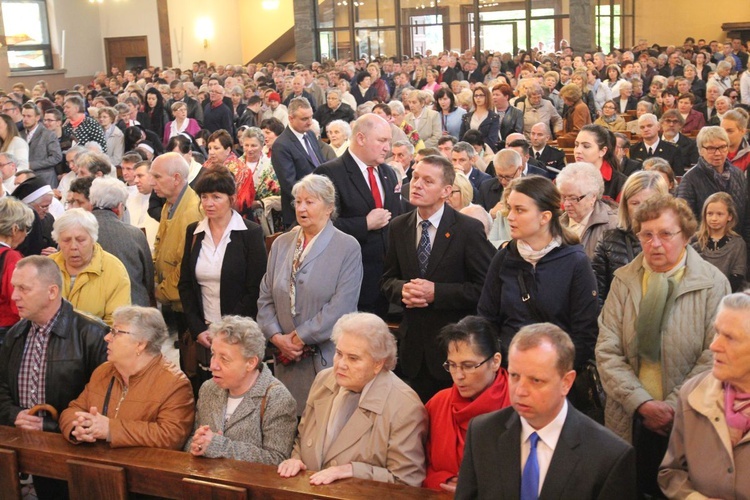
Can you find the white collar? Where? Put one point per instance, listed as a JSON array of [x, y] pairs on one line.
[[550, 433], [235, 224], [434, 218]]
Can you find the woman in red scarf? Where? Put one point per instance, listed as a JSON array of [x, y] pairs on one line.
[[480, 386]]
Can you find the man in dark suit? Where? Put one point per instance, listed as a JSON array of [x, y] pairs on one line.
[[366, 200], [473, 73], [552, 159], [447, 70], [298, 90], [194, 109], [531, 166], [622, 149], [435, 266], [44, 148], [671, 126], [652, 145], [508, 166], [542, 447], [464, 157], [295, 154]]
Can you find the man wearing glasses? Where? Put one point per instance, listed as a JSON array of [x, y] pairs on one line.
[[671, 126], [47, 357], [13, 109], [714, 173]]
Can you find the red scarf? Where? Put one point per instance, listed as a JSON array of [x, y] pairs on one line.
[[449, 420]]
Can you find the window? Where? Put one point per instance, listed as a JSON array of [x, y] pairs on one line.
[[27, 34]]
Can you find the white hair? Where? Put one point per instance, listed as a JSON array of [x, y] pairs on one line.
[[107, 192], [76, 217]]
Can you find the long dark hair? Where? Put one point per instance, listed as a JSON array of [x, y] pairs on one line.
[[443, 92], [604, 139], [547, 199]]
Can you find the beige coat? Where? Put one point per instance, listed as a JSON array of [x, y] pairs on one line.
[[383, 439], [700, 461], [685, 340], [428, 127], [603, 217]]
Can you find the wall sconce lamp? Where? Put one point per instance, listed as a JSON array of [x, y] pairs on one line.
[[204, 30]]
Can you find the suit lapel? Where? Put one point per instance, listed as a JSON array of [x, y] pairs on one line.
[[355, 175], [411, 244], [509, 449], [565, 458], [299, 146], [442, 239], [321, 243], [388, 187]]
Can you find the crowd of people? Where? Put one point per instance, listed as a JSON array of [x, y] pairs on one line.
[[560, 238]]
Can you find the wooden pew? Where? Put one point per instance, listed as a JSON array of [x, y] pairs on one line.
[[104, 472]]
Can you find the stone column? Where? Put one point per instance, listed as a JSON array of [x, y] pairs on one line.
[[582, 25], [304, 34]]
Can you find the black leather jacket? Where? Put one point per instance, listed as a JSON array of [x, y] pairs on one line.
[[76, 348], [617, 248]]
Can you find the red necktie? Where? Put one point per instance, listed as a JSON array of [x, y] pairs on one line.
[[374, 188]]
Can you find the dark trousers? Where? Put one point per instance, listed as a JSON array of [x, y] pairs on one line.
[[426, 385], [50, 489], [650, 449]]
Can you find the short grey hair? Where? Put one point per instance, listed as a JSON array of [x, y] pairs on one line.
[[107, 192], [646, 117], [404, 144], [582, 174], [298, 103], [242, 331], [94, 162], [465, 147], [10, 158], [342, 125], [723, 65], [76, 217], [146, 324], [708, 134], [320, 187], [397, 107], [334, 91], [649, 107], [77, 101], [254, 133], [506, 158], [367, 326], [739, 301], [14, 213]]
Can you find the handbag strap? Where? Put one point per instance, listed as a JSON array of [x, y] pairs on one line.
[[263, 403], [526, 298]]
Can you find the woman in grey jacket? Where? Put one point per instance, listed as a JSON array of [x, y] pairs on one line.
[[243, 412]]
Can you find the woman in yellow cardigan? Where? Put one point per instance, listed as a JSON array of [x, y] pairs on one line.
[[94, 281]]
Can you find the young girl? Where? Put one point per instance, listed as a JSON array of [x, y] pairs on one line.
[[717, 242]]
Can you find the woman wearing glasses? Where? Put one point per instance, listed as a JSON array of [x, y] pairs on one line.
[[482, 118], [581, 188], [610, 119], [137, 397], [655, 330], [714, 173], [480, 386]]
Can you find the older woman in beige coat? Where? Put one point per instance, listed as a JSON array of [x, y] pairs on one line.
[[655, 330], [361, 420], [581, 187]]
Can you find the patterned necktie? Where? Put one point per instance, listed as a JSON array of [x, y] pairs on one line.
[[374, 187], [530, 477], [424, 248], [310, 152]]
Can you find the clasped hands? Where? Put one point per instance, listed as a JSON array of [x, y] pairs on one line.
[[90, 426], [418, 293], [292, 467], [201, 439], [658, 416], [290, 344]]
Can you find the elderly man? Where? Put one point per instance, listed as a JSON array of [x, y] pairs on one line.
[[508, 166], [108, 197], [333, 109], [551, 158], [542, 445], [216, 114], [295, 154], [169, 180], [366, 200], [8, 168], [44, 148], [82, 128], [464, 157], [671, 125], [652, 145], [47, 357], [403, 154], [298, 90], [708, 453]]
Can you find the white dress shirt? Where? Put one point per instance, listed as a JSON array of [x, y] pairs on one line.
[[209, 264], [432, 230], [545, 447], [363, 168]]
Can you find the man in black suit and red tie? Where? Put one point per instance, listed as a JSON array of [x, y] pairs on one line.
[[435, 267], [552, 159], [652, 145], [542, 447], [295, 154], [366, 200]]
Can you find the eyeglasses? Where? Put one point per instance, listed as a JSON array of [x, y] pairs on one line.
[[466, 368], [455, 191], [574, 199], [508, 177], [716, 149], [115, 332], [608, 107], [479, 95], [664, 236], [3, 165]]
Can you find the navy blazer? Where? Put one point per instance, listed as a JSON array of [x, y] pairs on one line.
[[664, 150], [291, 163], [458, 263], [589, 461], [477, 177], [354, 201], [241, 272], [490, 128]]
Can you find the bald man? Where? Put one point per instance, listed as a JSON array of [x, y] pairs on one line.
[[366, 201]]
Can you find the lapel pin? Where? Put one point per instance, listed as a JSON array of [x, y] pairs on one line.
[[447, 235]]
